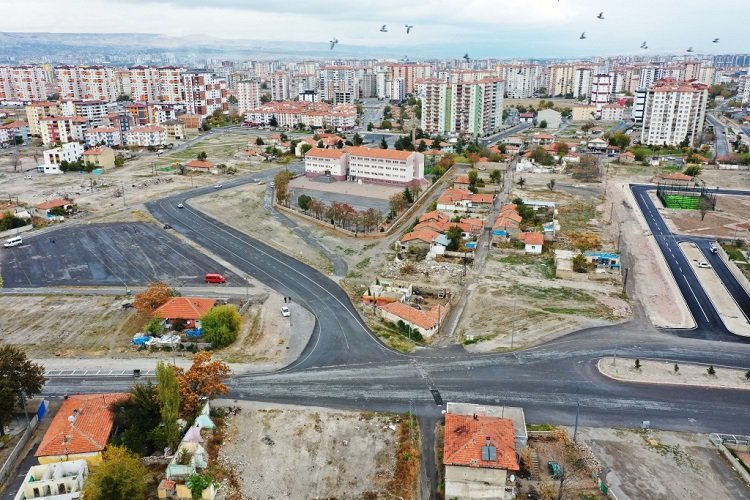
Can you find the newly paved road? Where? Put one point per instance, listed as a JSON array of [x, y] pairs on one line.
[[126, 253], [721, 142], [708, 320]]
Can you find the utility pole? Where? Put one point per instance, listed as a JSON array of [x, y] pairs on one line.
[[122, 185], [625, 281]]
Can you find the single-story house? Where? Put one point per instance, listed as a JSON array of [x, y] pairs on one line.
[[598, 145], [435, 215], [533, 241], [80, 429], [626, 157], [425, 321], [48, 169], [541, 139], [461, 182], [43, 209], [604, 260], [187, 309], [676, 178], [479, 455], [201, 166], [421, 238], [101, 157], [527, 117]]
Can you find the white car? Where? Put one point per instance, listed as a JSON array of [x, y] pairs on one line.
[[217, 186], [285, 311], [180, 205], [703, 264]]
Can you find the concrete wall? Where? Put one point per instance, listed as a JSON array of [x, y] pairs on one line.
[[10, 462]]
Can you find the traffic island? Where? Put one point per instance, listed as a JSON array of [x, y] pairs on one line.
[[651, 371]]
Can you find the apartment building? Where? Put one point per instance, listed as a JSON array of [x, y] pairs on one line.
[[248, 95], [338, 84], [410, 72], [22, 83], [560, 79], [144, 83], [170, 85], [582, 80], [326, 162], [70, 152], [397, 89], [521, 80], [35, 111], [280, 86], [674, 110], [384, 166], [311, 114], [146, 136], [473, 108], [601, 91], [15, 132], [108, 136], [63, 129], [94, 111], [204, 93], [744, 94], [613, 112], [97, 83]]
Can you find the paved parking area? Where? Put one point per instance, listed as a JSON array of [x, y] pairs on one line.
[[105, 254], [359, 196]]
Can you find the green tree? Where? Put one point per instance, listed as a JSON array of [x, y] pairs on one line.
[[304, 202], [232, 100], [580, 265], [386, 124], [693, 170], [221, 325], [422, 147], [711, 372], [551, 185], [119, 161], [320, 144], [155, 326], [496, 176], [19, 378], [265, 98], [454, 236], [121, 476], [408, 196], [281, 186], [123, 98], [259, 141], [637, 364], [197, 484], [305, 148], [620, 139], [369, 127], [357, 139], [521, 182], [676, 368], [383, 144], [543, 124], [202, 155], [273, 122], [138, 418], [473, 176], [169, 397]]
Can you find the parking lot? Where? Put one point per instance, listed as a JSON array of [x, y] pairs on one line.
[[359, 196], [105, 255]]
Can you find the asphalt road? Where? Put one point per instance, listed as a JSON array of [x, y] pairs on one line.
[[118, 254], [708, 321], [721, 143], [488, 141]]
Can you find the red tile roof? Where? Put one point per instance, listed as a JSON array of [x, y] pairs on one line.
[[462, 179], [434, 215], [90, 430], [426, 235], [424, 318], [531, 238], [185, 308], [484, 198], [388, 154], [325, 153], [434, 225], [93, 151], [15, 124], [465, 436], [200, 164], [58, 202]]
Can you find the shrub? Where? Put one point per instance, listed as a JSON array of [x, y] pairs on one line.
[[221, 325]]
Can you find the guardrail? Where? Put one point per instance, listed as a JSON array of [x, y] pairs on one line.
[[98, 373]]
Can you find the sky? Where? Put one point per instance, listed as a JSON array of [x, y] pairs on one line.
[[442, 28]]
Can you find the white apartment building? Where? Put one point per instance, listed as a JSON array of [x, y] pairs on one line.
[[674, 111], [63, 129], [410, 72], [109, 136], [146, 136], [69, 152], [94, 111], [381, 85], [87, 82], [521, 80], [601, 91], [330, 162], [338, 84], [744, 94], [648, 75], [613, 112], [35, 111], [280, 86], [204, 93], [560, 79], [22, 83], [639, 105], [144, 83], [582, 79], [385, 166], [170, 85], [474, 107], [397, 89]]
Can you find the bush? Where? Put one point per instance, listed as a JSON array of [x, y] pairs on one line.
[[155, 326], [221, 325]]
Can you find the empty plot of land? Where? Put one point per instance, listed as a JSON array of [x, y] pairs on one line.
[[730, 220], [359, 196], [105, 255], [294, 452], [662, 465]]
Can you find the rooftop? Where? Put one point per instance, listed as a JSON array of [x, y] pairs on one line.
[[200, 164], [467, 435], [388, 154], [325, 153], [57, 202], [185, 308], [423, 318]]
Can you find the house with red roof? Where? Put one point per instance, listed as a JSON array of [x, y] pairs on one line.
[[187, 309], [201, 166], [419, 238], [479, 455], [80, 429], [425, 321], [43, 209], [533, 241]]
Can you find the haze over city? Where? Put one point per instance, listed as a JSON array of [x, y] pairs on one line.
[[442, 28]]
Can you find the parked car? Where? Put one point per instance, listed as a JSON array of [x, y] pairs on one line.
[[703, 264], [214, 278], [180, 205], [285, 311], [127, 305], [167, 226]]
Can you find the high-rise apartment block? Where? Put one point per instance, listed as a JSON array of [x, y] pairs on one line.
[[280, 86], [204, 93], [248, 95], [338, 84], [22, 83], [674, 111], [472, 108], [87, 82]]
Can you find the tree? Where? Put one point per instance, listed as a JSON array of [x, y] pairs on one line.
[[586, 170], [169, 397], [304, 202], [15, 160], [320, 144], [676, 368], [369, 127], [119, 161], [747, 375], [157, 294], [543, 124], [704, 207], [637, 364], [357, 139], [202, 156], [473, 176], [281, 185], [620, 139], [20, 379], [273, 122], [580, 265], [265, 98], [693, 170], [259, 141], [711, 372], [138, 418], [123, 98], [121, 476], [155, 326], [454, 235], [305, 148], [221, 325], [496, 176], [232, 100], [587, 126], [397, 204], [383, 144], [551, 185], [585, 240], [197, 484], [521, 182], [204, 379], [542, 157]]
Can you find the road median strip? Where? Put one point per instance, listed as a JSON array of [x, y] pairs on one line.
[[669, 372]]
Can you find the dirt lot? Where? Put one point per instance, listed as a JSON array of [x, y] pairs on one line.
[[662, 465], [298, 452], [730, 220]]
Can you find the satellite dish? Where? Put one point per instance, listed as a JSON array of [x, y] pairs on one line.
[[71, 419]]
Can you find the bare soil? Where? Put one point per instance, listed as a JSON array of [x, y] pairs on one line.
[[663, 372], [730, 220], [299, 452]]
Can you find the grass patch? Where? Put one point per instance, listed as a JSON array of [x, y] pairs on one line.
[[550, 293], [353, 274], [540, 427], [363, 263], [734, 253], [404, 481], [575, 217], [599, 312], [461, 159]]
